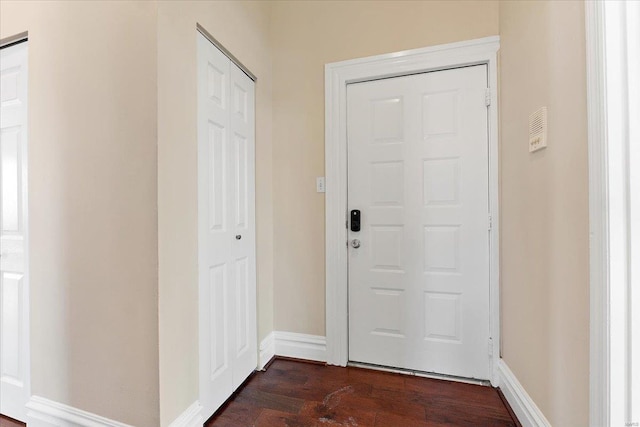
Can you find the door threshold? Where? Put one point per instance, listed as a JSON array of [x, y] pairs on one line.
[[422, 374]]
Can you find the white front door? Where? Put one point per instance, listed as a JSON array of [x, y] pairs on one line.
[[418, 173], [14, 294], [226, 226]]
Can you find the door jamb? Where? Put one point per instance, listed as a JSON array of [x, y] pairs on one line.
[[337, 76]]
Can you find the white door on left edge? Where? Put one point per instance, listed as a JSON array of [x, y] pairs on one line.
[[418, 173], [226, 226], [14, 296]]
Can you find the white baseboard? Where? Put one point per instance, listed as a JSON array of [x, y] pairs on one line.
[[191, 417], [524, 407], [43, 412], [300, 346], [267, 351]]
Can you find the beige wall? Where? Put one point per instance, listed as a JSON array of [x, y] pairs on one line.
[[307, 35], [243, 28], [92, 195], [544, 207]]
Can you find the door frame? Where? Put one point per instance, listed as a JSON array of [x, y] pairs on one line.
[[8, 42], [599, 380], [609, 54], [337, 75]]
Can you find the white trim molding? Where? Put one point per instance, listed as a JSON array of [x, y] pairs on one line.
[[43, 412], [291, 344], [613, 91], [191, 417], [300, 346], [598, 217], [523, 406], [337, 76], [267, 351]]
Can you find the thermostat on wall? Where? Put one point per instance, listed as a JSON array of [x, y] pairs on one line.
[[538, 130]]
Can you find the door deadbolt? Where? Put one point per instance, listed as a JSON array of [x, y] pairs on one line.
[[355, 220]]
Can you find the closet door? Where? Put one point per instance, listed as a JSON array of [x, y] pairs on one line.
[[14, 284], [242, 151], [226, 226]]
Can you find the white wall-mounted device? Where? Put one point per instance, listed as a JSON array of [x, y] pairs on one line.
[[538, 130]]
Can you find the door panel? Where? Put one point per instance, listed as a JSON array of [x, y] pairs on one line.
[[14, 296], [226, 230], [418, 171], [215, 196], [242, 123]]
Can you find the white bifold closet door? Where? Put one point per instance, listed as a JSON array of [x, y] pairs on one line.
[[226, 226], [14, 291]]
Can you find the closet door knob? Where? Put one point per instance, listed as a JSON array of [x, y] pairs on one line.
[[238, 236]]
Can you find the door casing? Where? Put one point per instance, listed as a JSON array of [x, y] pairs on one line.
[[337, 76]]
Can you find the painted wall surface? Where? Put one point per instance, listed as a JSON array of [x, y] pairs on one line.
[[243, 28], [92, 196], [544, 207], [306, 36]]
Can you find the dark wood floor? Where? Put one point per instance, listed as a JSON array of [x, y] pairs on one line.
[[9, 422], [299, 394], [296, 394]]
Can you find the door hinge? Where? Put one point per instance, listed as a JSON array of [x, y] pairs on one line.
[[490, 222], [487, 97], [490, 346]]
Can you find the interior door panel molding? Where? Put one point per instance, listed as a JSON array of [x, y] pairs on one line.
[[337, 76]]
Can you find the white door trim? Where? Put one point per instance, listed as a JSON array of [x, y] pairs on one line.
[[598, 218], [612, 91], [337, 76]]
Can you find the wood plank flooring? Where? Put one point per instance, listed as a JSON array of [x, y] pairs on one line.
[[10, 422], [296, 394], [300, 394]]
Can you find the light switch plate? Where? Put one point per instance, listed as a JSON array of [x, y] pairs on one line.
[[320, 188]]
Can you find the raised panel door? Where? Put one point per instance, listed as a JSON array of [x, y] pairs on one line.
[[418, 172], [14, 292]]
